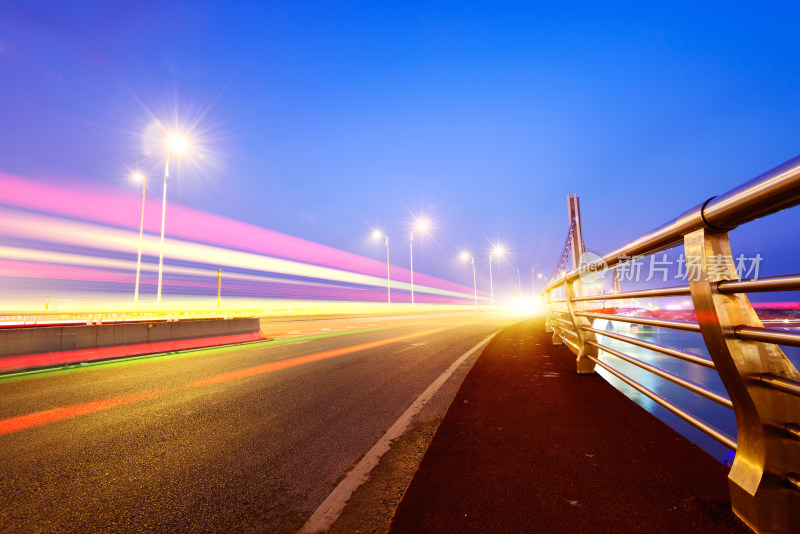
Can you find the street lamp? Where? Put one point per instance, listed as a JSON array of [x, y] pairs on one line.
[[377, 234], [139, 177], [466, 256], [176, 144], [519, 283], [420, 226], [496, 251], [533, 279]]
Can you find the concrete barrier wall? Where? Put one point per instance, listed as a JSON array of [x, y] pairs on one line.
[[23, 348]]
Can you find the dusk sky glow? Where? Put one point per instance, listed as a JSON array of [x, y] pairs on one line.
[[312, 124]]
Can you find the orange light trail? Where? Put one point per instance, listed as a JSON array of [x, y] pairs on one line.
[[301, 360], [36, 419]]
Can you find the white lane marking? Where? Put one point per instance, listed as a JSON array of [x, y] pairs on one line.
[[324, 329], [330, 509], [413, 345], [295, 331], [297, 342]]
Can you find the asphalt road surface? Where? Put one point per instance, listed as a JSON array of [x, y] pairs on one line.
[[249, 438]]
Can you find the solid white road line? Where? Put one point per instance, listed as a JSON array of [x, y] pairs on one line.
[[330, 509]]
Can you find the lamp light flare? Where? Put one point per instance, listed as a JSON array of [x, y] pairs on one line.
[[422, 225], [137, 176], [177, 144], [377, 234], [465, 256], [498, 251]]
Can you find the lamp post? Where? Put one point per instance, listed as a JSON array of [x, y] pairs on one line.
[[177, 145], [497, 251], [519, 283], [533, 279], [377, 234], [467, 256], [421, 226], [139, 177], [219, 287]]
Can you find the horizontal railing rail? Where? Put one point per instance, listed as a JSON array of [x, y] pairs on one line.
[[669, 351], [661, 292], [646, 321], [686, 384], [761, 285], [680, 412], [783, 384], [767, 335], [763, 385]]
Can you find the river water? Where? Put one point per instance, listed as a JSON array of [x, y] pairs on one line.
[[709, 411]]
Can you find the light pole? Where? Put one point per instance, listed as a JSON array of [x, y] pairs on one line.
[[467, 256], [497, 251], [519, 283], [177, 145], [377, 234], [139, 177], [421, 226], [533, 279], [219, 287]]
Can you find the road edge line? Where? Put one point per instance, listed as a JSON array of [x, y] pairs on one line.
[[331, 508]]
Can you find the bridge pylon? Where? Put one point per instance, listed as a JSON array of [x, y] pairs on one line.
[[585, 364]]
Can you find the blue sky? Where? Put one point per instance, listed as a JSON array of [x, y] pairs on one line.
[[322, 119]]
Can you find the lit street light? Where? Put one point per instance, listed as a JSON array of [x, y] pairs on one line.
[[176, 145], [533, 279], [421, 226], [139, 177], [377, 234], [467, 256], [497, 251]]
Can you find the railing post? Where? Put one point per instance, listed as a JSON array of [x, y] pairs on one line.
[[548, 326], [555, 326], [584, 364], [767, 453]]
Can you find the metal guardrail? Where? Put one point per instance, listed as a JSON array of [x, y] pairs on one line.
[[762, 384], [56, 317], [31, 318]]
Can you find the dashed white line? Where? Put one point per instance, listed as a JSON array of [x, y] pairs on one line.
[[412, 346]]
